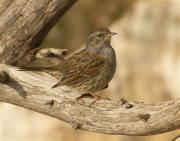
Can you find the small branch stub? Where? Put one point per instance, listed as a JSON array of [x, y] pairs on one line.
[[145, 117], [51, 102], [128, 105], [76, 125], [3, 76]]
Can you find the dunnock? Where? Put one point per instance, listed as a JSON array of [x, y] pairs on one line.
[[91, 69]]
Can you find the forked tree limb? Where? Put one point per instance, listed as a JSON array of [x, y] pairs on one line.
[[23, 26], [32, 90]]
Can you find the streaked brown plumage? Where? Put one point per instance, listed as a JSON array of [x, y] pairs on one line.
[[91, 69]]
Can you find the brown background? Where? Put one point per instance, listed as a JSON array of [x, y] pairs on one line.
[[147, 50]]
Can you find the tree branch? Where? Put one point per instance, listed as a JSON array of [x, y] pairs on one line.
[[24, 24], [33, 90]]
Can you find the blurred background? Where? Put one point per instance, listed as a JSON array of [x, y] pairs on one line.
[[147, 52]]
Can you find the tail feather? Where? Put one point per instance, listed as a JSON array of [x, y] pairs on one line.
[[56, 85]]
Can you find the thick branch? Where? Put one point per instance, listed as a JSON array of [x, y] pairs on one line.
[[33, 90], [24, 24]]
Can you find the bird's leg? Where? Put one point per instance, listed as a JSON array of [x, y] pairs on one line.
[[81, 96], [97, 98]]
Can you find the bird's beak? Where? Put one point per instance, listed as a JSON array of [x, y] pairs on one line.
[[111, 34]]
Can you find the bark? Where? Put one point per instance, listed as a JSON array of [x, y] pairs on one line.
[[33, 90], [24, 24]]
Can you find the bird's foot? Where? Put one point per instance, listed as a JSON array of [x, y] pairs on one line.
[[95, 96]]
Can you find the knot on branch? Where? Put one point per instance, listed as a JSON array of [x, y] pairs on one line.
[[51, 102], [3, 76], [144, 117], [128, 106], [76, 125]]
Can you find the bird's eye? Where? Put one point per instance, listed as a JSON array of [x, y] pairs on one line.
[[99, 35]]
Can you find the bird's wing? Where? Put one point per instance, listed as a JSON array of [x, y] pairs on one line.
[[83, 71], [73, 61]]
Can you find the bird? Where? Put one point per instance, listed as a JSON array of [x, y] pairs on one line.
[[91, 69]]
